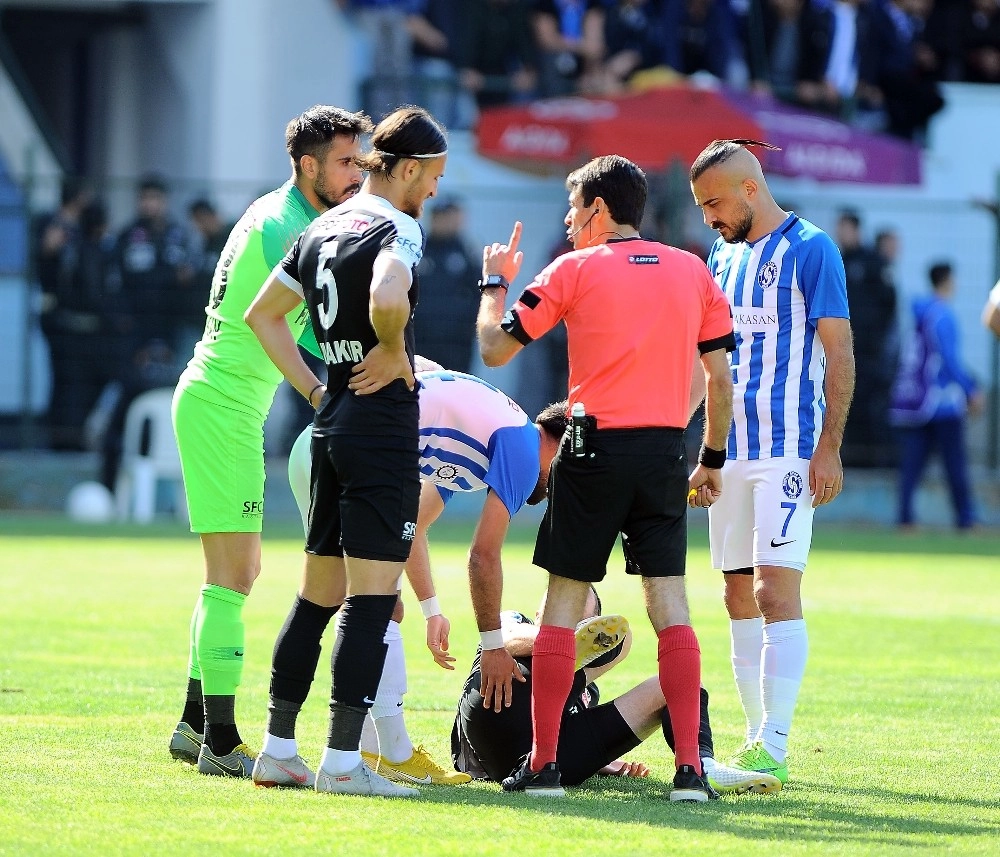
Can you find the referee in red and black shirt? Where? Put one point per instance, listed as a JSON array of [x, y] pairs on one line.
[[636, 313]]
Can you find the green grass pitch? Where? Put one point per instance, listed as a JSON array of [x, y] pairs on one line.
[[894, 751]]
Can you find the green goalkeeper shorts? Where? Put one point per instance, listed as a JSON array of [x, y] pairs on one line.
[[222, 459]]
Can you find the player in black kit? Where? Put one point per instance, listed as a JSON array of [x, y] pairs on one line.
[[489, 744], [355, 268]]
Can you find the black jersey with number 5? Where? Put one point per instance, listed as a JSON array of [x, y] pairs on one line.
[[330, 266]]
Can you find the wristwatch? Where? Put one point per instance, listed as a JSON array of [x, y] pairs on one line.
[[494, 280]]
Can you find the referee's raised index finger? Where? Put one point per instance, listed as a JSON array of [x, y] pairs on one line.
[[515, 236]]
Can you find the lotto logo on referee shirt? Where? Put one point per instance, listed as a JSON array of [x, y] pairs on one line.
[[409, 531], [644, 260]]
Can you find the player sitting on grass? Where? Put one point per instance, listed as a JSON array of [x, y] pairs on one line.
[[489, 742]]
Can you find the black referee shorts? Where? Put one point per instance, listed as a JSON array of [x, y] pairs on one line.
[[364, 496], [633, 482]]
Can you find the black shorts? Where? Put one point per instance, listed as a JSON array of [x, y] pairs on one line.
[[589, 738], [364, 496], [633, 482]]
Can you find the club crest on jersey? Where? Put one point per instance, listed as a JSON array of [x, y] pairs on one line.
[[792, 484], [767, 276], [446, 472]]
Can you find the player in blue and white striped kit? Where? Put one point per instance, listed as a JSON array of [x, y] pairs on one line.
[[793, 378]]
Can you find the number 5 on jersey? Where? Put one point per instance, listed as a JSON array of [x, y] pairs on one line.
[[325, 281]]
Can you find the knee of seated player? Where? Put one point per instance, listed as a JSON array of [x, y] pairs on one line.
[[777, 592]]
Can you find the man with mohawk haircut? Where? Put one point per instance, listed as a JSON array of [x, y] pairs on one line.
[[793, 378]]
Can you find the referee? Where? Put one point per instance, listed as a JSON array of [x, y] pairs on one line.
[[636, 312]]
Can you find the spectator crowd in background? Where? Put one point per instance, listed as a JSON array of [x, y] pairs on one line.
[[875, 63], [120, 312]]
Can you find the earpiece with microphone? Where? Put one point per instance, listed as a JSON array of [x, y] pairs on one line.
[[585, 225]]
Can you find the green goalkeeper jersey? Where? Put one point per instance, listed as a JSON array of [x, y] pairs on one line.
[[230, 367]]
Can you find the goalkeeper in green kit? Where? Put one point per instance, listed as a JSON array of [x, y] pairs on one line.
[[219, 408]]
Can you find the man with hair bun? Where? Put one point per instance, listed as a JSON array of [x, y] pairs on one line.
[[355, 269], [793, 377], [219, 408]]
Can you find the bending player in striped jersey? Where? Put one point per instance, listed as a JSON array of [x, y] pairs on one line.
[[472, 437], [793, 377]]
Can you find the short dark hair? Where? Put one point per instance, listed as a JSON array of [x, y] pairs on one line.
[[152, 182], [553, 419], [409, 132], [849, 215], [201, 206], [74, 189], [938, 273], [619, 182], [312, 132]]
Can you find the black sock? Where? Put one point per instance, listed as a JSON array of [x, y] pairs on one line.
[[358, 659], [194, 707], [705, 745], [221, 733], [297, 650]]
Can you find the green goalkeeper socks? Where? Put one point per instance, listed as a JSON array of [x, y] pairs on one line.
[[219, 640], [194, 671]]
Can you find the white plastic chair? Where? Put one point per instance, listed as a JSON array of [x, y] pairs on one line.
[[143, 465]]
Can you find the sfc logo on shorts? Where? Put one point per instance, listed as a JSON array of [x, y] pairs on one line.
[[792, 484]]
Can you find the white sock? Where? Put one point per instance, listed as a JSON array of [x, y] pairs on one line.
[[786, 649], [384, 731], [279, 748], [746, 637], [339, 761]]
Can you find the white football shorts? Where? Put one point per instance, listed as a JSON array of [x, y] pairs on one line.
[[764, 516]]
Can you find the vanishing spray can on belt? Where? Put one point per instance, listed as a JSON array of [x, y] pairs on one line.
[[578, 422]]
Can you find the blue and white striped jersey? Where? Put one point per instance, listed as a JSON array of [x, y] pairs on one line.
[[778, 288], [473, 436]]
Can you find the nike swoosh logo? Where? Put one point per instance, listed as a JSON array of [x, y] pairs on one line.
[[299, 778], [236, 770], [368, 701], [424, 780], [775, 544], [238, 654]]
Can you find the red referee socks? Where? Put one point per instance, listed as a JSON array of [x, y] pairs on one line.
[[552, 660], [679, 661]]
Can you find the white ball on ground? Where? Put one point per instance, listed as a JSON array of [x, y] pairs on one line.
[[90, 503]]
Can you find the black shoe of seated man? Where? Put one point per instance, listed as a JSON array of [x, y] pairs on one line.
[[690, 786], [544, 783]]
